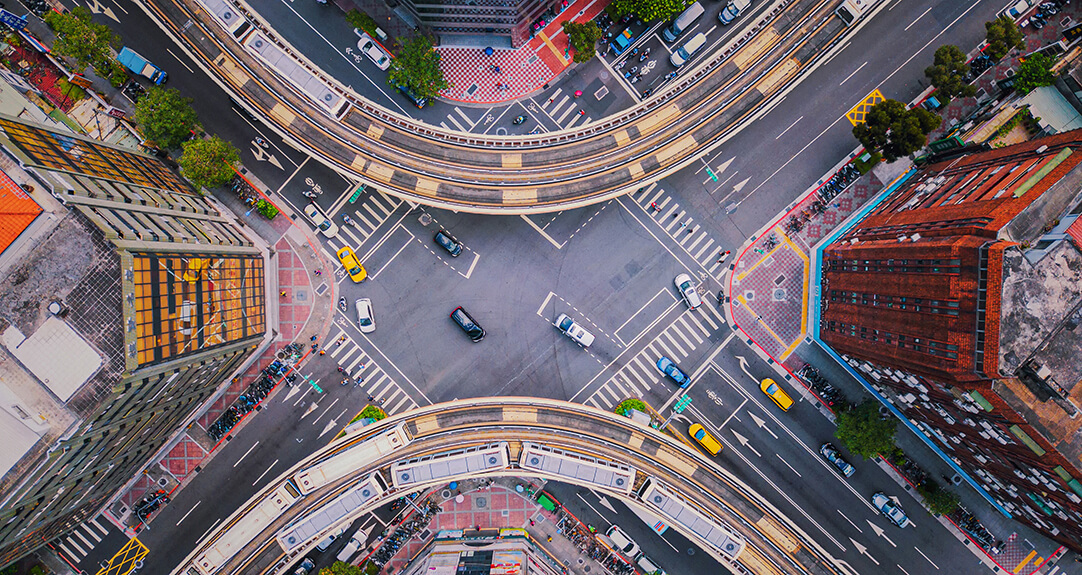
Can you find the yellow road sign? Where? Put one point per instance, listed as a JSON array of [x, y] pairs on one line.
[[129, 557], [856, 113]]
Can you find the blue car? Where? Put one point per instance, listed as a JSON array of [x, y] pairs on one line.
[[669, 368], [622, 41]]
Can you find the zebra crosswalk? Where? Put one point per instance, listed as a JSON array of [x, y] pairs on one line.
[[681, 227], [369, 215], [562, 109], [640, 374], [376, 382], [83, 538]]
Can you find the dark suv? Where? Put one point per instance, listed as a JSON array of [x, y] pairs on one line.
[[468, 324], [449, 243]]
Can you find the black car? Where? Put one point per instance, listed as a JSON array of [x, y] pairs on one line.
[[412, 96], [449, 243], [468, 324]]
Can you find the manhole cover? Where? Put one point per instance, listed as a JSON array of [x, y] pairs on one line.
[[779, 294], [532, 59], [301, 295], [480, 501], [604, 91], [322, 289], [749, 295]]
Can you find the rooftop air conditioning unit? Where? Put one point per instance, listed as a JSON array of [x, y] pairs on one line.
[[914, 237], [901, 238]]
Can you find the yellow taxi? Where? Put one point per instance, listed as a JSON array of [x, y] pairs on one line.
[[776, 393], [352, 264], [700, 434]]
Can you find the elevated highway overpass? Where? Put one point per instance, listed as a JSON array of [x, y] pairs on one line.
[[755, 537], [493, 174]]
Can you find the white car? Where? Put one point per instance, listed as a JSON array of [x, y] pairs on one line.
[[375, 53], [623, 543], [687, 289], [329, 228], [574, 330], [355, 542], [365, 319], [892, 510]]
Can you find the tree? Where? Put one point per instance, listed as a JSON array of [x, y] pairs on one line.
[[939, 500], [894, 130], [208, 163], [650, 10], [167, 117], [340, 568], [417, 67], [864, 432], [948, 73], [1034, 72], [79, 38], [583, 39], [1003, 35]]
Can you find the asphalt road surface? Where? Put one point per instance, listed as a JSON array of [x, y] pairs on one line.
[[610, 266]]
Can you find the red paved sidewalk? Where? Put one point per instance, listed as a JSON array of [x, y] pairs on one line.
[[522, 71]]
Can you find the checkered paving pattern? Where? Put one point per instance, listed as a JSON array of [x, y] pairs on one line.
[[522, 71], [768, 293], [182, 460], [768, 296], [472, 79], [137, 491]]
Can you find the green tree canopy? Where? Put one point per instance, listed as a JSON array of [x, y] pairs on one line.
[[583, 38], [865, 433], [208, 163], [948, 72], [1034, 72], [650, 10], [939, 500], [79, 38], [417, 66], [167, 117], [891, 128], [1002, 36], [340, 568]]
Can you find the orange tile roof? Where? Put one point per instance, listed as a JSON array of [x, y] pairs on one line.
[[1075, 231], [17, 210]]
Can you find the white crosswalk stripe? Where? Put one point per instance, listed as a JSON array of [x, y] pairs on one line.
[[376, 382], [368, 216], [640, 374], [561, 108], [676, 222], [77, 543]]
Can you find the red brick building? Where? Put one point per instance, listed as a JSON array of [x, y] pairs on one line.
[[960, 297]]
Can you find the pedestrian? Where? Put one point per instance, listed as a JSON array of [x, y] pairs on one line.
[[283, 293], [582, 112], [550, 538], [531, 523], [371, 399], [313, 338], [318, 272], [655, 207], [322, 352], [381, 400]]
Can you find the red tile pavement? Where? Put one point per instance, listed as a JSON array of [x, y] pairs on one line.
[[137, 491], [183, 458], [522, 71]]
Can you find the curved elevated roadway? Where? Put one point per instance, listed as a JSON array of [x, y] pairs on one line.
[[491, 174], [774, 545]]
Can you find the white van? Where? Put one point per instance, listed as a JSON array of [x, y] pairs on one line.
[[352, 546], [648, 566], [683, 22], [685, 52]]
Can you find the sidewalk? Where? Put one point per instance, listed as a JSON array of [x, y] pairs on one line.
[[523, 71], [305, 310], [771, 287]]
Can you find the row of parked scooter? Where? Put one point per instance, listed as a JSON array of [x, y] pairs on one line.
[[1045, 11], [257, 391], [828, 393]]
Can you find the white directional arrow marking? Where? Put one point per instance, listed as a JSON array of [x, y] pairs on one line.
[[330, 425], [292, 391], [863, 550], [762, 424], [744, 442], [740, 185], [264, 156], [96, 7], [723, 167], [311, 407], [744, 366], [605, 502], [879, 531]]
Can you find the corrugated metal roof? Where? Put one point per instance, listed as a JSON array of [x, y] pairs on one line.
[[17, 211]]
